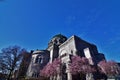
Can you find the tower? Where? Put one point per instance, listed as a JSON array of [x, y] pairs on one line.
[[53, 45]]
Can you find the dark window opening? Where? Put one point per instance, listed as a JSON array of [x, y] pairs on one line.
[[39, 60], [72, 51], [36, 75]]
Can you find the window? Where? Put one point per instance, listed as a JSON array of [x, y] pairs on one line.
[[35, 75], [39, 59], [87, 53], [63, 55], [72, 51]]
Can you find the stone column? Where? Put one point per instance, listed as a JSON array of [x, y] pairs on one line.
[[69, 75], [58, 77], [51, 78], [89, 76]]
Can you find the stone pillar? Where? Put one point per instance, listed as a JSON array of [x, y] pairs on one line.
[[69, 75], [58, 77], [51, 77], [89, 76], [51, 56], [55, 77]]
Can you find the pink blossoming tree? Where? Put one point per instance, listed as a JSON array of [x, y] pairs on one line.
[[110, 68], [51, 69], [80, 65]]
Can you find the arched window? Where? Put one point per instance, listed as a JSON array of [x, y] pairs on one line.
[[39, 59], [35, 74]]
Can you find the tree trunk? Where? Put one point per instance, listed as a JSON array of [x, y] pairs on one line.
[[10, 74]]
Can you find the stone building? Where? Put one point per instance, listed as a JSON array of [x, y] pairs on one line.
[[63, 47]]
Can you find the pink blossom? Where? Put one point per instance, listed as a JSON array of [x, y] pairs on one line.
[[109, 67], [51, 69], [80, 65]]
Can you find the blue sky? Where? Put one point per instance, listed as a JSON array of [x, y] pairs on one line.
[[32, 23]]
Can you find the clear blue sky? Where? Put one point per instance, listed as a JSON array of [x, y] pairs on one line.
[[32, 23]]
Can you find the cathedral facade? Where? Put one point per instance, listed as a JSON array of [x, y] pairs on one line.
[[63, 48]]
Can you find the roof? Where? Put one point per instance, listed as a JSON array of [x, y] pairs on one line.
[[39, 51], [59, 35]]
